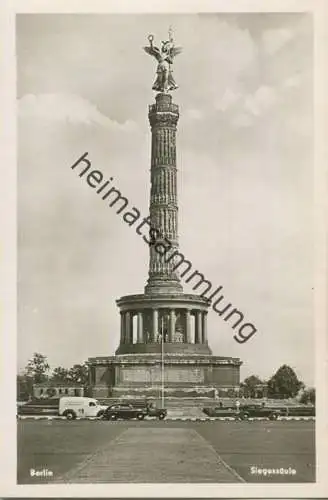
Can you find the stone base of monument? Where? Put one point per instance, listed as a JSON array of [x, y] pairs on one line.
[[147, 375]]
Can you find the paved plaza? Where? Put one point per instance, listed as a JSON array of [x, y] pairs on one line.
[[167, 451]]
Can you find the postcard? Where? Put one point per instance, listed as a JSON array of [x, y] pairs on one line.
[[164, 190]]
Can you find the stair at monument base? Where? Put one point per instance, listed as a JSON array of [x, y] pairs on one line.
[[183, 393], [185, 412]]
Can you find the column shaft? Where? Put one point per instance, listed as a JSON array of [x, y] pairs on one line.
[[127, 327], [198, 329], [163, 209], [155, 325], [122, 327], [172, 326], [140, 327], [188, 326], [205, 328], [131, 328]]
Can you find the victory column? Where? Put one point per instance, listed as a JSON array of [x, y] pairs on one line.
[[163, 348]]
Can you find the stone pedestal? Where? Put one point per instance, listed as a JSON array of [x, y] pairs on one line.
[[185, 375]]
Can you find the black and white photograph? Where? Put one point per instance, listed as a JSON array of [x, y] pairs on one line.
[[166, 264]]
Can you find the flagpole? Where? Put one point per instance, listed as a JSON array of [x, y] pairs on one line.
[[162, 362]]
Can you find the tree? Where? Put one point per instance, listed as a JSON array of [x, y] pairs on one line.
[[60, 375], [79, 374], [308, 396], [249, 386], [284, 383], [37, 368], [24, 387], [35, 372]]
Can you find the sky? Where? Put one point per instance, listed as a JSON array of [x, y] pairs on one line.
[[245, 177]]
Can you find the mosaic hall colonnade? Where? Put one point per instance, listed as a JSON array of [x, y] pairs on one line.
[[169, 325]]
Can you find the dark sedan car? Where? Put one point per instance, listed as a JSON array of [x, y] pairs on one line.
[[124, 411], [244, 412], [221, 411], [247, 411]]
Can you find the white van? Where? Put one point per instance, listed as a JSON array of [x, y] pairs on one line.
[[72, 407]]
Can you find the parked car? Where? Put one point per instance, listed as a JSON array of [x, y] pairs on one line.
[[247, 411], [148, 405], [154, 411], [124, 411], [300, 411], [255, 410], [69, 407], [221, 411]]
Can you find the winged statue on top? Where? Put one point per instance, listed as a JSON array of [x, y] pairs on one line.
[[165, 55]]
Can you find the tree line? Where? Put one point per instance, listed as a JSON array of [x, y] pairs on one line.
[[283, 384], [38, 371]]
